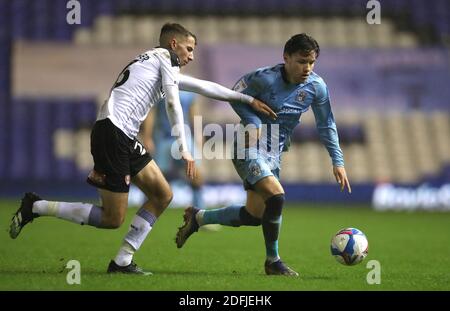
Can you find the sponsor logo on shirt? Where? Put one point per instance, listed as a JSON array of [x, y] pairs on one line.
[[289, 110]]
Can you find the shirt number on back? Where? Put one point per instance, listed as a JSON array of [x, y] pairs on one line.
[[124, 75]]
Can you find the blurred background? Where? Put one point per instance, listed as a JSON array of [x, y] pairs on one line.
[[389, 85]]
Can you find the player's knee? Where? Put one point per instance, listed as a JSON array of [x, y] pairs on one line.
[[166, 198], [113, 221], [116, 223], [274, 206]]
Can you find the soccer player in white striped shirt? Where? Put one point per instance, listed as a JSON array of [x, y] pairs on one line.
[[119, 158]]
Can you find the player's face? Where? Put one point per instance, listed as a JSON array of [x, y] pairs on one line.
[[299, 66], [184, 48]]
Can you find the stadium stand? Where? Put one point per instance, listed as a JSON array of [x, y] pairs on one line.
[[388, 82]]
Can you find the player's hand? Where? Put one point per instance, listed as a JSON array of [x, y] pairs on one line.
[[259, 106], [341, 178], [190, 164]]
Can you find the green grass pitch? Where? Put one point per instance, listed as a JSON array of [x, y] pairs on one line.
[[413, 250]]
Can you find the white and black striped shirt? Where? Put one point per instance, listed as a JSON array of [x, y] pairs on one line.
[[139, 86]]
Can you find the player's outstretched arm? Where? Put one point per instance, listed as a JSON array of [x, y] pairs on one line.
[[219, 92], [175, 116], [341, 177]]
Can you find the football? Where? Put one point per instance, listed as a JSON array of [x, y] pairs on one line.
[[349, 246]]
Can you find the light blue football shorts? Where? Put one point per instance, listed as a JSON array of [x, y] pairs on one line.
[[251, 170]]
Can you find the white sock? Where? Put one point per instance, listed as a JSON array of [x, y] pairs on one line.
[[199, 217], [74, 212], [140, 227], [125, 255], [45, 208]]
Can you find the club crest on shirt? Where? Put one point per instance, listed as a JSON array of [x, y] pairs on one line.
[[301, 96], [127, 180], [240, 86]]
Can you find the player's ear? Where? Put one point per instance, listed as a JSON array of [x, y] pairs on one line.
[[285, 57], [173, 43]]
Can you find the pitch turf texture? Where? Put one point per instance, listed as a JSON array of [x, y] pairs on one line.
[[412, 248]]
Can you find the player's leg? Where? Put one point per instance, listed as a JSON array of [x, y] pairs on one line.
[[108, 216], [254, 205], [113, 211], [197, 190], [264, 205], [252, 171], [146, 175], [271, 191], [237, 215], [161, 155], [233, 215], [151, 181], [110, 149]]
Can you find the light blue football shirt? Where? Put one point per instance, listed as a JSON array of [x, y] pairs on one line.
[[289, 101]]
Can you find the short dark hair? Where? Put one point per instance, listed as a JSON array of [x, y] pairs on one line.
[[301, 43], [169, 30]]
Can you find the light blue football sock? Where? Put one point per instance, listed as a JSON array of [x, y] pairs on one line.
[[197, 199], [227, 216], [233, 215], [272, 251]]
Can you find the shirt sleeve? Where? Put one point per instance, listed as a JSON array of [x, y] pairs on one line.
[[251, 86], [175, 115], [325, 123], [212, 90], [169, 80]]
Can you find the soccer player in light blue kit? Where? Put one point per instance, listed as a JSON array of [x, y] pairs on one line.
[[157, 131], [289, 89]]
